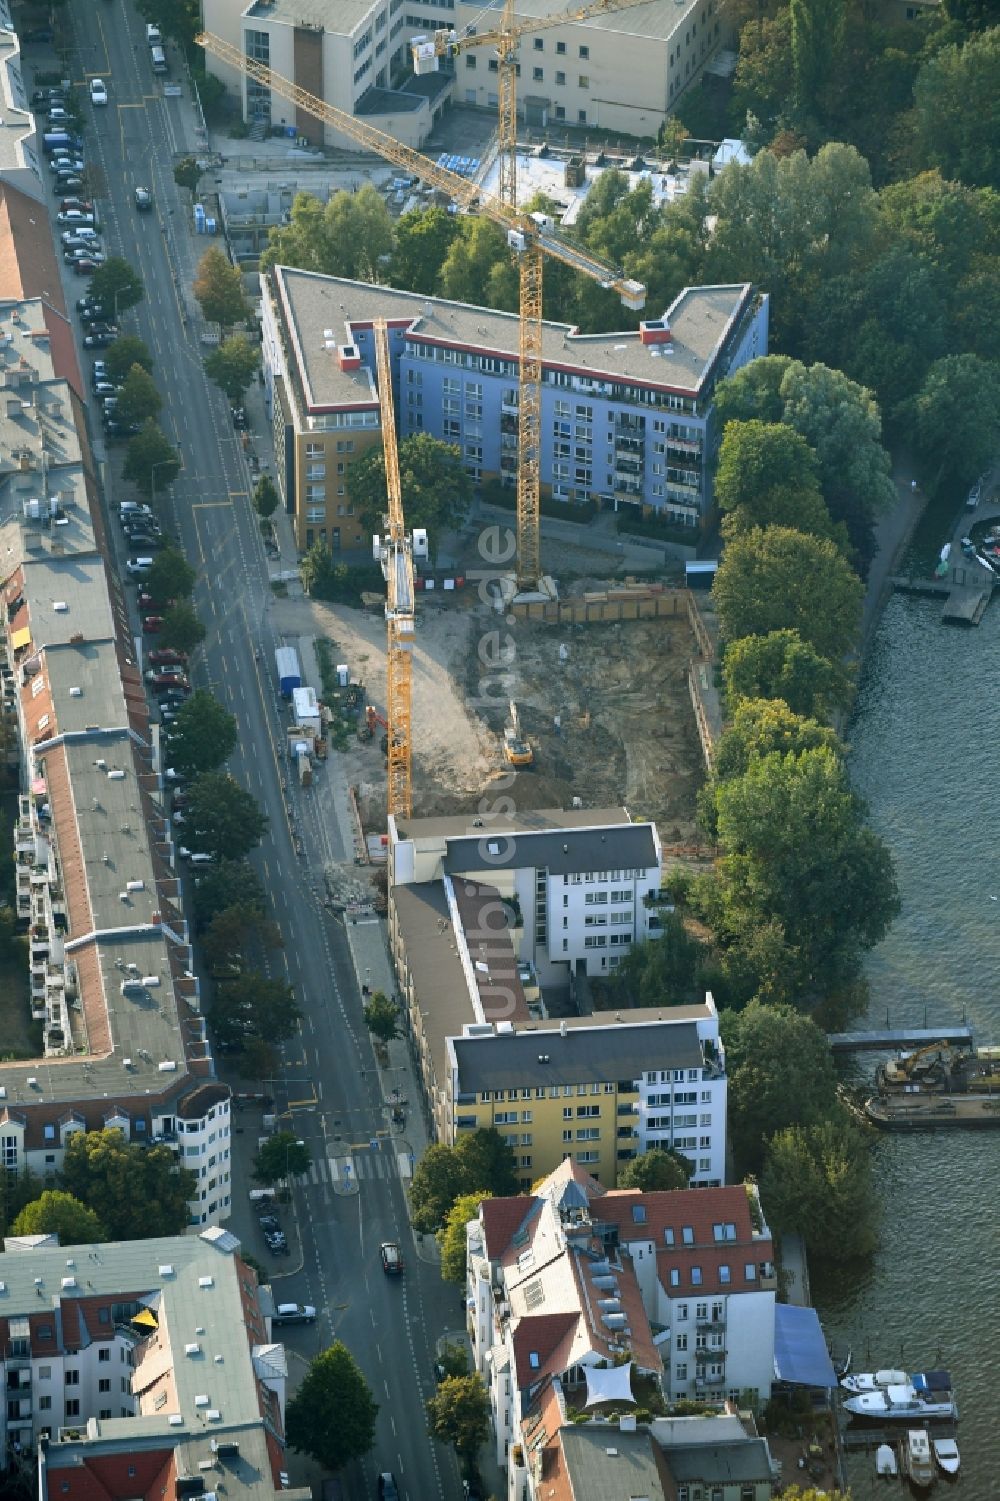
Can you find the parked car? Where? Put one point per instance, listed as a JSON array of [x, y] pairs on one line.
[[163, 683], [152, 624], [99, 370], [68, 182], [65, 162], [387, 1488], [166, 655], [239, 417], [98, 91], [115, 429], [42, 98], [165, 675], [105, 388], [83, 204], [91, 304], [88, 265], [82, 230], [155, 606], [143, 200], [267, 1221], [148, 541], [97, 341], [76, 216]]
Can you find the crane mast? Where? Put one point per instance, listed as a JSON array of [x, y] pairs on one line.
[[395, 552], [530, 236]]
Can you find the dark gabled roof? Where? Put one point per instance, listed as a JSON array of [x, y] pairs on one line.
[[588, 1055]]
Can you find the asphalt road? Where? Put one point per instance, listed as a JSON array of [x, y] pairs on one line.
[[329, 1087]]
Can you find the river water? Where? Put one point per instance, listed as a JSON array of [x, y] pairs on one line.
[[924, 752]]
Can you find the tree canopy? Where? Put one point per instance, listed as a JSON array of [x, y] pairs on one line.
[[782, 665], [956, 415], [774, 579], [182, 629], [332, 1414], [766, 1048], [203, 734], [955, 109], [282, 1155], [171, 576], [231, 883], [437, 491], [59, 1213], [382, 1017], [138, 399], [816, 1179], [663, 971], [218, 288], [125, 352], [222, 819], [347, 236], [763, 726], [250, 1007], [656, 1171], [451, 1236], [136, 1191], [152, 463], [233, 365], [482, 1163], [117, 284], [459, 1414]]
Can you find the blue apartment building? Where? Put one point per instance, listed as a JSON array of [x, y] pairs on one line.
[[627, 418]]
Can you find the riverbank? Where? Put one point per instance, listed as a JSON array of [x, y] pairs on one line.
[[894, 534]]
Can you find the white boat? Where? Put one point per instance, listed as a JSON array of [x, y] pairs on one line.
[[946, 1454], [885, 1460], [917, 1460], [902, 1404], [871, 1381]]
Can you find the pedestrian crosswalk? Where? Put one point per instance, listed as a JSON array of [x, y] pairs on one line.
[[339, 1171]]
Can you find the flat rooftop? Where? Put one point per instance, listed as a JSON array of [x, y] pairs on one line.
[[340, 19], [539, 1055], [605, 1464], [700, 319], [659, 19], [16, 119]]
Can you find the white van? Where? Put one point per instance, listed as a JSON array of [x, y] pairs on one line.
[[153, 37], [137, 568], [159, 59]]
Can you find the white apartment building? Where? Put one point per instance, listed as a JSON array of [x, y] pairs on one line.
[[579, 879], [576, 1276], [122, 1360]]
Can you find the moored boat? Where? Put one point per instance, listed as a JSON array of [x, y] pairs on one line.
[[916, 1457], [902, 1403], [870, 1381], [885, 1460], [946, 1454]]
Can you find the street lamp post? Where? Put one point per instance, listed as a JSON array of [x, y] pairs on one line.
[[152, 480]]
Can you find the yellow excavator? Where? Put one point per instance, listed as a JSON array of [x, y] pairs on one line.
[[927, 1065], [516, 748]]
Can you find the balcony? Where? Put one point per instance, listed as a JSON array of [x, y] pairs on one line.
[[708, 1381], [685, 445], [714, 1323], [716, 1352], [629, 427], [626, 1133]]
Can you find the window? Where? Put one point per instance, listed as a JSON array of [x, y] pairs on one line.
[[104, 1353], [538, 75], [668, 1236], [470, 60], [581, 116], [681, 1342], [724, 1274], [72, 1378], [567, 1112], [682, 1372], [45, 1373], [561, 48], [539, 44], [696, 1276], [675, 1277], [104, 1385], [750, 1271], [73, 1407], [45, 1404], [687, 1235], [584, 51], [584, 80]]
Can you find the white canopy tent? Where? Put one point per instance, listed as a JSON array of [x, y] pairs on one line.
[[614, 1385]]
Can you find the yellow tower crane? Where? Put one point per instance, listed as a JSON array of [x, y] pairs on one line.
[[505, 40], [530, 236], [395, 552]]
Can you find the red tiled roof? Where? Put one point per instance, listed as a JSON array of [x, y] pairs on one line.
[[541, 1335], [700, 1210], [28, 268], [501, 1219], [109, 1477]]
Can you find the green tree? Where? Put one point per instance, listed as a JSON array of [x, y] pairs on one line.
[[266, 498], [249, 1007], [817, 28], [181, 629], [439, 1178], [478, 267], [451, 1236], [233, 933], [423, 239], [178, 19], [222, 819], [231, 883], [151, 461], [487, 1162], [955, 416], [782, 665], [332, 1415], [765, 726], [233, 365], [171, 576], [655, 1171], [117, 284], [138, 400], [258, 1059], [218, 288], [799, 855], [766, 1047], [763, 81], [282, 1155], [955, 110], [756, 458], [382, 1017], [437, 491], [351, 235], [817, 1180], [187, 173], [204, 735], [664, 971], [137, 1192], [777, 579], [127, 351], [58, 1213], [459, 1414]]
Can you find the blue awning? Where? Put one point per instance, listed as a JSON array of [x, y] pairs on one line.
[[800, 1354]]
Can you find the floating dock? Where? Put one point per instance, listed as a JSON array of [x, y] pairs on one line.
[[932, 1112], [900, 1040]]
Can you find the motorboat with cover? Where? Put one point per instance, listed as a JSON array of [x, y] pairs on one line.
[[946, 1454], [917, 1461], [928, 1394]]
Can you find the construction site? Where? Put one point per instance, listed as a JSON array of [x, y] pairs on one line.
[[604, 710]]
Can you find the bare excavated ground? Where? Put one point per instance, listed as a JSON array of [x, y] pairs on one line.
[[608, 717]]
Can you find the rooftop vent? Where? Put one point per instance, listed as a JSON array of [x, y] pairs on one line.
[[117, 775], [168, 1066], [67, 1283], [193, 1349], [166, 1270], [206, 1281], [76, 693], [201, 1400], [60, 606]]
